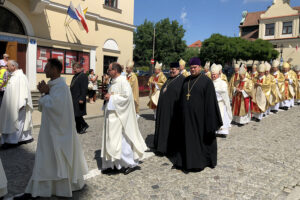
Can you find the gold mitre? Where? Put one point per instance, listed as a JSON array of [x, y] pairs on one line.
[[182, 62], [261, 68], [268, 66], [242, 71], [214, 69], [130, 64], [254, 66], [275, 63], [236, 66], [207, 65], [286, 65], [158, 65]]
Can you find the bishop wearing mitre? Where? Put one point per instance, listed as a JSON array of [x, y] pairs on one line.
[[290, 84], [221, 89], [274, 98], [183, 71], [122, 143], [241, 99], [233, 80], [134, 84], [156, 81], [261, 94], [16, 109], [279, 79], [207, 69]]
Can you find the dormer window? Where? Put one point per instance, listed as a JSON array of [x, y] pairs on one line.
[[111, 3], [287, 27]]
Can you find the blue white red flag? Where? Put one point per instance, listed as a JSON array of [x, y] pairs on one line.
[[72, 12]]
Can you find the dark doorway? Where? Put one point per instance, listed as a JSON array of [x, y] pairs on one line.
[[107, 61], [10, 23], [2, 48]]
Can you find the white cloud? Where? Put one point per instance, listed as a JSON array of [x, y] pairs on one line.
[[183, 16], [252, 1]]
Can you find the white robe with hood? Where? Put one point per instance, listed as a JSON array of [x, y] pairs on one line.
[[16, 110], [3, 181], [224, 105], [59, 161], [122, 142]]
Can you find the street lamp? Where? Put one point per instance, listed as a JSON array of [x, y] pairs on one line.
[[2, 2], [281, 51]]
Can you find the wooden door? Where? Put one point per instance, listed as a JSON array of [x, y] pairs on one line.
[[11, 50]]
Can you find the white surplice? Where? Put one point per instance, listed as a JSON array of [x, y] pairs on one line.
[[224, 105], [59, 161], [16, 110], [122, 142], [3, 181]]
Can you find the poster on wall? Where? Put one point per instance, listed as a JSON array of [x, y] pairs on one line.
[[43, 54], [84, 59], [71, 57], [60, 55]]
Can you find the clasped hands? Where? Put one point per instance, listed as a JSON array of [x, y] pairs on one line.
[[43, 87]]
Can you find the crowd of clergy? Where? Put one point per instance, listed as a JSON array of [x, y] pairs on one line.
[[190, 108]]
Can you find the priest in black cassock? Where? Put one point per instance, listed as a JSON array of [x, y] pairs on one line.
[[196, 145], [167, 104]]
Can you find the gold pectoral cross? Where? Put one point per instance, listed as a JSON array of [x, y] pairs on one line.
[[188, 96]]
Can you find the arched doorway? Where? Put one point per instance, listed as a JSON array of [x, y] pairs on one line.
[[10, 23]]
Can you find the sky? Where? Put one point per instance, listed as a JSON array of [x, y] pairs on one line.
[[200, 18]]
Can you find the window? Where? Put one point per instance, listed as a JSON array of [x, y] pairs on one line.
[[111, 3], [67, 57], [270, 29], [287, 28]]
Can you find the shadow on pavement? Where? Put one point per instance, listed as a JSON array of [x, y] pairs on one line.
[[98, 159], [148, 116]]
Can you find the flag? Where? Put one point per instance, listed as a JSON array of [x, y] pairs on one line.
[[82, 18], [72, 12], [84, 11]]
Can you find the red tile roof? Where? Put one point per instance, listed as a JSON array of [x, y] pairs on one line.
[[252, 18], [196, 44]]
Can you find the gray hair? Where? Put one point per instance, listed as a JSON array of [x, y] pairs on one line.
[[14, 63]]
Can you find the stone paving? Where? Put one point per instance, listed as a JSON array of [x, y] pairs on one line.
[[257, 161]]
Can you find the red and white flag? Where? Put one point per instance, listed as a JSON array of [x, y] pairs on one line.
[[80, 13]]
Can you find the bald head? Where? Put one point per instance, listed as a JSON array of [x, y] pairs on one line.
[[12, 65]]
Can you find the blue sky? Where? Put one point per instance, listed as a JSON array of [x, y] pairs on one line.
[[200, 18]]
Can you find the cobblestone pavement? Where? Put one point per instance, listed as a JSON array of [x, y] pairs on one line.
[[257, 161]]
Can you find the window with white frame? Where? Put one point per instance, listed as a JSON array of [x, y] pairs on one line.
[[111, 3], [287, 27], [270, 29]]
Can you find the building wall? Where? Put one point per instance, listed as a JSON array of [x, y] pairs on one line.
[[53, 28]]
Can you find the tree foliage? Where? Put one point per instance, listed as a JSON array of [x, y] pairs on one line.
[[169, 43], [222, 49]]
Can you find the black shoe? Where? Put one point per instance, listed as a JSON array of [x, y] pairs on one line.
[[240, 125], [221, 135], [129, 170], [83, 130], [109, 171], [25, 196], [274, 111], [285, 108], [8, 146], [26, 142]]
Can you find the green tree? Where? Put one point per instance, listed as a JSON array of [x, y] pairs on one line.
[[169, 43], [190, 53]]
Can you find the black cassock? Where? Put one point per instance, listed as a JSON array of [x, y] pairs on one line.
[[196, 145], [165, 121]]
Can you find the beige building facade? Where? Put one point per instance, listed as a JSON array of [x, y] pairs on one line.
[[41, 29], [279, 24]]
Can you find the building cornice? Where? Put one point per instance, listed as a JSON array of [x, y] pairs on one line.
[[288, 38], [93, 16], [283, 16]]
